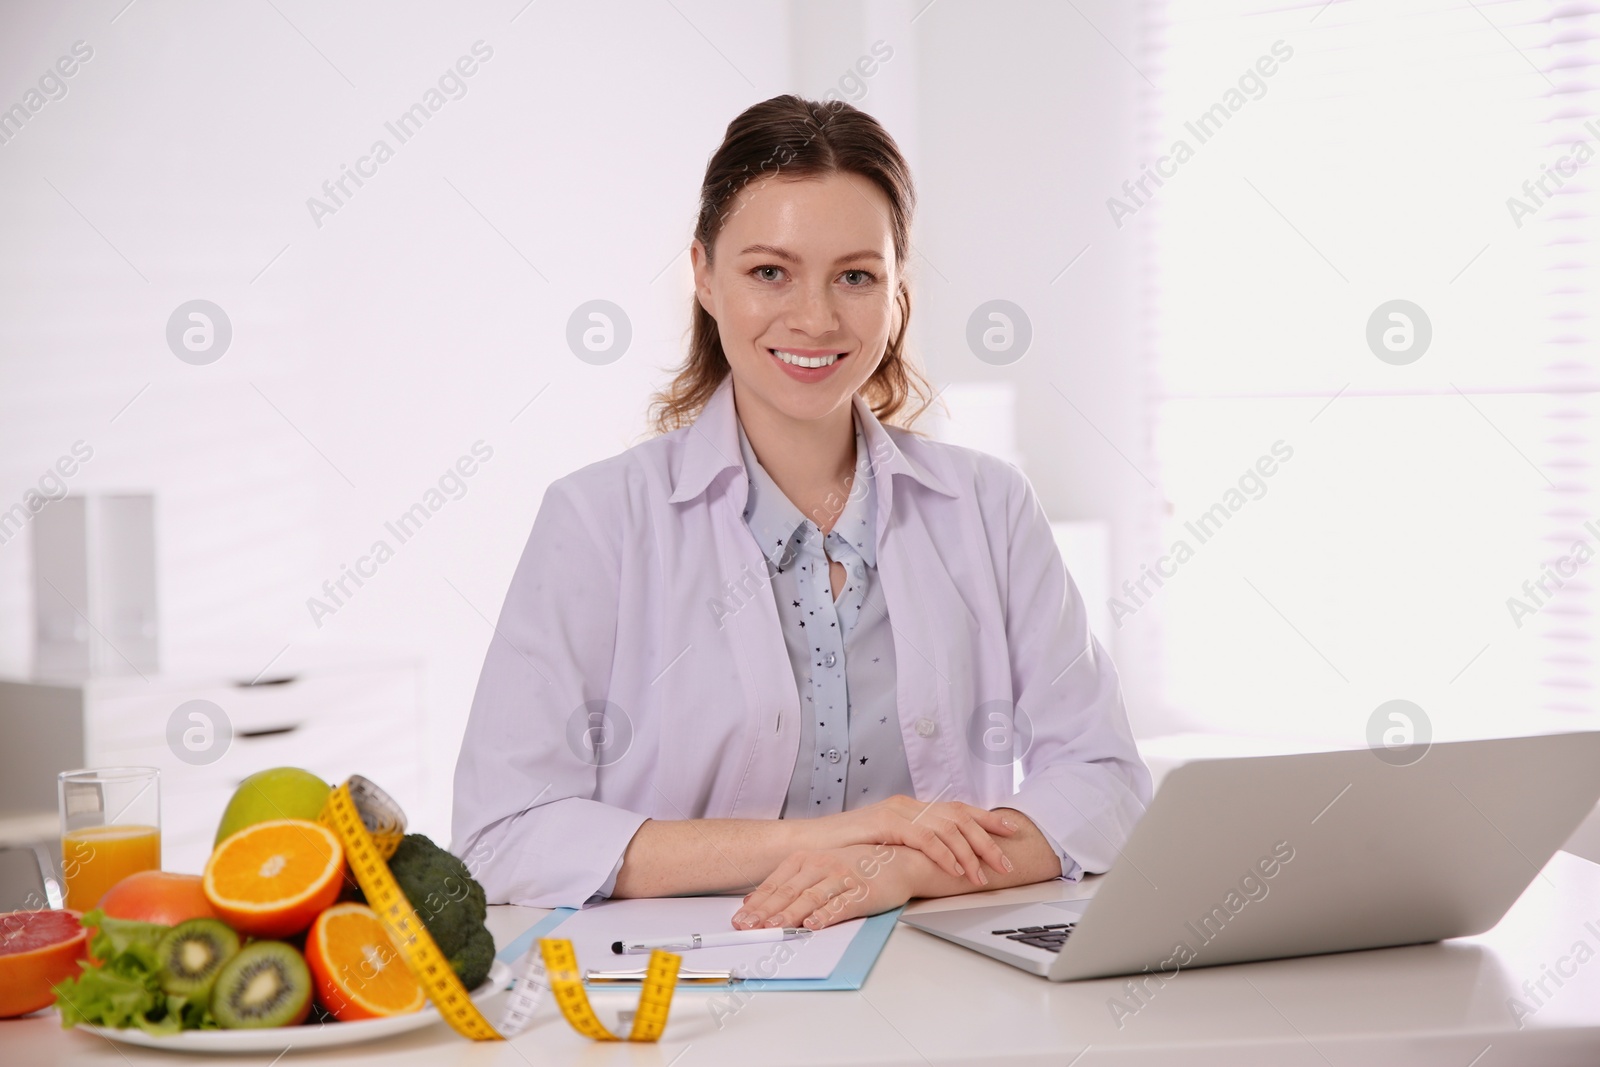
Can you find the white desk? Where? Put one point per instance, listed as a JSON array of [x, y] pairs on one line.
[[928, 1001]]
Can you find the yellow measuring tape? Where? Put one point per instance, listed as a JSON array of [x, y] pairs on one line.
[[370, 826], [399, 918], [561, 975]]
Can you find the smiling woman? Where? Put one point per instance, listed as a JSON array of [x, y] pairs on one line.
[[810, 162], [801, 746]]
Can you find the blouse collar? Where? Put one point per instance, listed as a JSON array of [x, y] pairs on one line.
[[777, 523]]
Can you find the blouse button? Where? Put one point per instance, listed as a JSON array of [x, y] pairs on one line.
[[833, 755], [927, 727], [830, 660]]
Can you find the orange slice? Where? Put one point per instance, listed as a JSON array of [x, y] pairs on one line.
[[356, 969], [273, 878]]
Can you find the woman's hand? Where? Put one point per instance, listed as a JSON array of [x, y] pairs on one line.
[[954, 835], [828, 885], [819, 887]]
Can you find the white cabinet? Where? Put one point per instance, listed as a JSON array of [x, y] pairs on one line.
[[333, 720]]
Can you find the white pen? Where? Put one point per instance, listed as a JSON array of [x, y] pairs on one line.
[[731, 937]]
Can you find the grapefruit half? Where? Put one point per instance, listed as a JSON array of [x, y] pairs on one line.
[[37, 950]]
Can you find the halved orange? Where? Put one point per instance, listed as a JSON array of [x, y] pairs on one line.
[[357, 971], [272, 879]]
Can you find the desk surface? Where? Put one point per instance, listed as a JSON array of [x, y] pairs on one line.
[[929, 1001]]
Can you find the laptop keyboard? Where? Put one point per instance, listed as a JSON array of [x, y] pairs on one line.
[[1050, 937]]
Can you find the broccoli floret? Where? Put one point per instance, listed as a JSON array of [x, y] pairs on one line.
[[472, 963], [450, 903]]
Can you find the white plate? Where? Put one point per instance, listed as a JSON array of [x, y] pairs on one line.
[[275, 1039]]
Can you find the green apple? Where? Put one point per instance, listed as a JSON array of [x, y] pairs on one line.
[[277, 793]]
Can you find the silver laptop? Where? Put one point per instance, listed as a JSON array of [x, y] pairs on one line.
[[1271, 856]]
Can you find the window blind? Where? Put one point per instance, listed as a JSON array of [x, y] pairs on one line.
[[1304, 166]]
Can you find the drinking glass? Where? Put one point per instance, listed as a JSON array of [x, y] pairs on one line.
[[110, 828]]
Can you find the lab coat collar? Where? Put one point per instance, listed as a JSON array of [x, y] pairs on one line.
[[712, 447]]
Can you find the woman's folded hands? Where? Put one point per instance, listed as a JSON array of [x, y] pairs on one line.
[[875, 858]]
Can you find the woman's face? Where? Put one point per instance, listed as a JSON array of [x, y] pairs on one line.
[[805, 268]]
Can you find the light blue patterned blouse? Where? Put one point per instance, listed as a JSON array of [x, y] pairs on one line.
[[842, 651], [858, 757]]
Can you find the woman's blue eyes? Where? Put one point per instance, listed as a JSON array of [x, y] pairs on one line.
[[867, 275]]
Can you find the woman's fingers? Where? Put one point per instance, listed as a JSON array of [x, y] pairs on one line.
[[875, 883], [955, 836], [959, 838], [758, 905], [808, 886], [949, 835], [993, 822], [977, 836], [976, 825], [924, 837], [765, 912], [847, 903], [958, 828], [832, 887]]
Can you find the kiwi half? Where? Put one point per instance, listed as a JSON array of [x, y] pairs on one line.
[[266, 984], [192, 953]]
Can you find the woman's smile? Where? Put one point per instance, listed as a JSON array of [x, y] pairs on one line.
[[808, 364]]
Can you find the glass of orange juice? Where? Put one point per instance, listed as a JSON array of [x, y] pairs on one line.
[[110, 828]]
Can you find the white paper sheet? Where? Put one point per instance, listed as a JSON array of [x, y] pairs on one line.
[[593, 929]]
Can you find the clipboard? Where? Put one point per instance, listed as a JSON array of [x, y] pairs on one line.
[[850, 972]]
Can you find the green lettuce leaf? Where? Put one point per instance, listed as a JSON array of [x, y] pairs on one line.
[[125, 989]]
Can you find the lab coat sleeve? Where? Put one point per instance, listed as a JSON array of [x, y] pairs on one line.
[[1084, 784], [524, 817]]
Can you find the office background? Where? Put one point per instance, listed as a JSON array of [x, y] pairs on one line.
[[1195, 317]]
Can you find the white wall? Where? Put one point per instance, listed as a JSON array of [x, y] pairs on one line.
[[426, 312], [391, 338], [1027, 122], [1019, 120]]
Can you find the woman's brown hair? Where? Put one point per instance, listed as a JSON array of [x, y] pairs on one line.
[[794, 138]]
